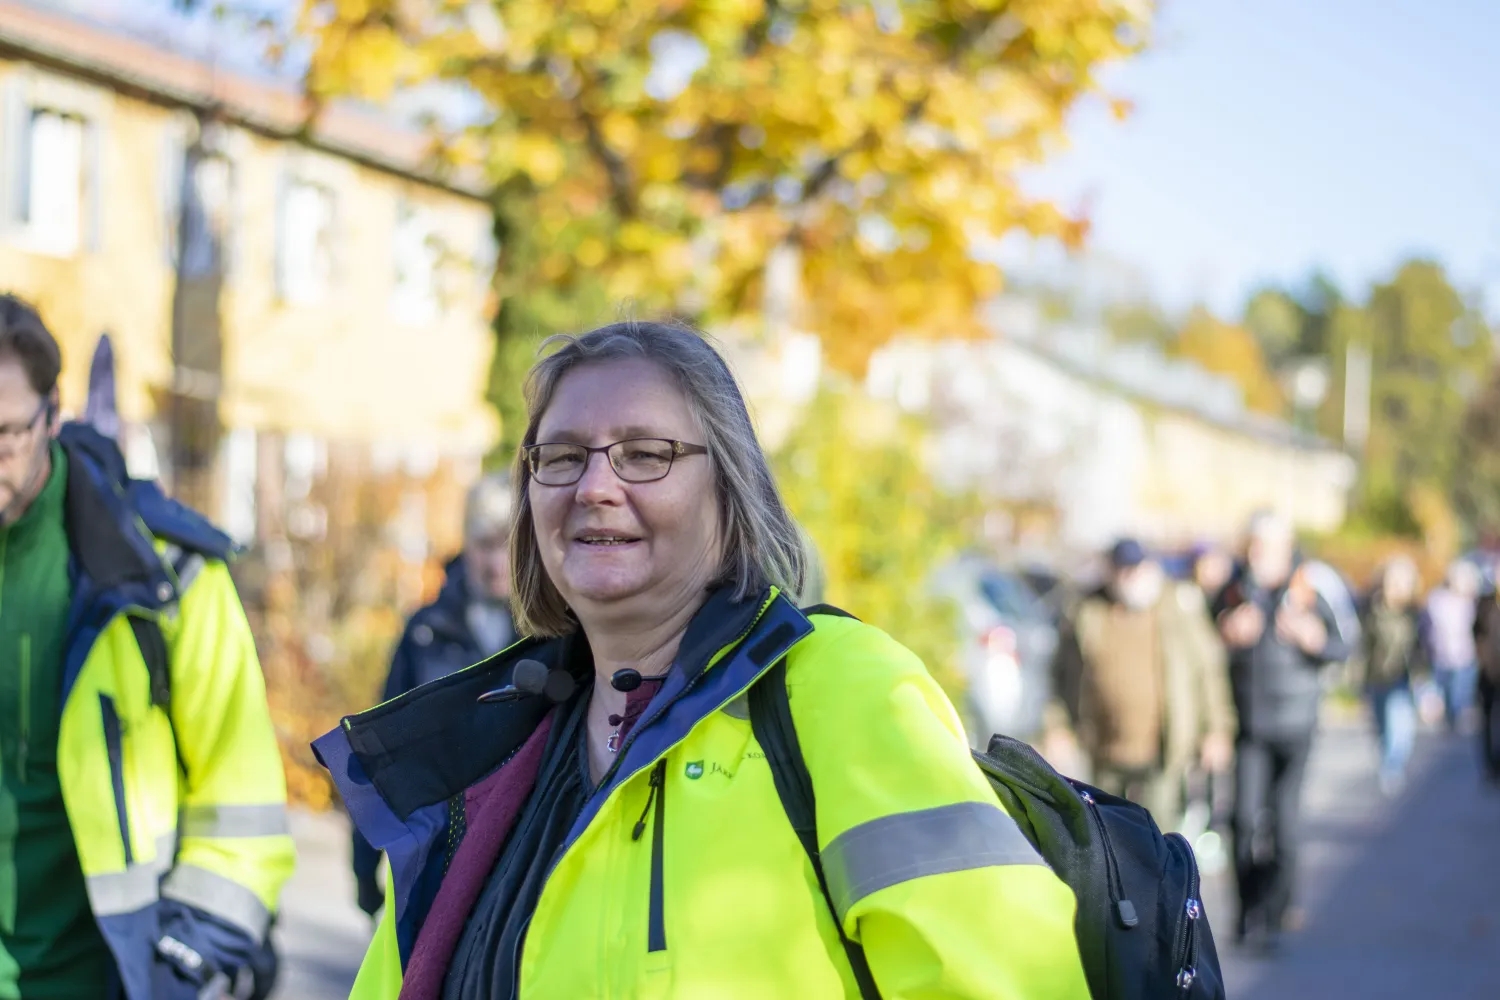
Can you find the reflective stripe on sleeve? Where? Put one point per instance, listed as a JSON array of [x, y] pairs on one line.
[[135, 888], [222, 897], [905, 846], [267, 820]]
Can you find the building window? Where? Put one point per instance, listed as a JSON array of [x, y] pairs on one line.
[[416, 254], [50, 195], [205, 204], [304, 246]]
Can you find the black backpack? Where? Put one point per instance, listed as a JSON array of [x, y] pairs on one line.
[[1141, 927]]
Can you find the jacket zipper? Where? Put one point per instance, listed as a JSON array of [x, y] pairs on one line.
[[643, 723], [115, 748], [1124, 908], [22, 744], [661, 764], [656, 925], [1186, 937]]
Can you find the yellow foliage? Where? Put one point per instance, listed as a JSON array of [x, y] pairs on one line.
[[853, 476], [770, 123], [1232, 350]]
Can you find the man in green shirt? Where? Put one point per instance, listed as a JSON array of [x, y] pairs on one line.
[[50, 945], [143, 838]]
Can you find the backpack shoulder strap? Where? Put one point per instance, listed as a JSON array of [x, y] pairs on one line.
[[771, 722], [153, 644], [186, 565]]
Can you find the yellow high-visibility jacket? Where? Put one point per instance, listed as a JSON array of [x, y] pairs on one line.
[[190, 807], [926, 871]]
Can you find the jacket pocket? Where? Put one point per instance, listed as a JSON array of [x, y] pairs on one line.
[[115, 747], [656, 922]]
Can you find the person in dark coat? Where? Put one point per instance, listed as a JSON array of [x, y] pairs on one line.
[[1280, 633], [470, 621], [1487, 646], [1390, 658]]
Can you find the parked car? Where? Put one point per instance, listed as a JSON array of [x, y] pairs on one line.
[[1009, 639]]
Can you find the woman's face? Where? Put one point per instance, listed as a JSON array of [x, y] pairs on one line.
[[614, 548]]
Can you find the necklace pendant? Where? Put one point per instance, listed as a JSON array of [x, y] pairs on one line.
[[613, 743]]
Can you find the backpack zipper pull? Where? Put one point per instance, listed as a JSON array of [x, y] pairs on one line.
[[1124, 908], [657, 774]]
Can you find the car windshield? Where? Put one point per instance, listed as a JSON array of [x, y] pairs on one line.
[[1010, 596]]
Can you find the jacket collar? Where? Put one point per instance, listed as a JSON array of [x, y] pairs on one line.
[[109, 547], [434, 741], [113, 521]]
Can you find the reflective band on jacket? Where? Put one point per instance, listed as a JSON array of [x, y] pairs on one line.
[[233, 821], [905, 846], [135, 888], [217, 895]]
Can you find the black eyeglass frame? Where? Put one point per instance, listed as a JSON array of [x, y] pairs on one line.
[[679, 449]]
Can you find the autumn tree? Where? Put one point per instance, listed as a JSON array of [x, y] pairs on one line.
[[655, 152], [1291, 322], [1476, 490], [854, 477], [1230, 350], [1430, 352]]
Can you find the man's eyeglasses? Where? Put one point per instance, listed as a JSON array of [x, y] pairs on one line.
[[12, 434], [638, 460]]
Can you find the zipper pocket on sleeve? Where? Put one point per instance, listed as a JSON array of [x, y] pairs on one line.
[[115, 747]]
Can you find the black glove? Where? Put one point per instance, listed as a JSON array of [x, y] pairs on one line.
[[370, 896], [199, 957]]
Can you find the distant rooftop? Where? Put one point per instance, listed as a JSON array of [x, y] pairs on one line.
[[1138, 370], [141, 53]]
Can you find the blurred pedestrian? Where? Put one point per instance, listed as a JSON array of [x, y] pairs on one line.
[[143, 827], [590, 814], [1487, 649], [1448, 638], [1280, 633], [1146, 686], [1212, 567], [1390, 656], [470, 621]]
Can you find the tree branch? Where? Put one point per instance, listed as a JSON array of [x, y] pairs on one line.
[[621, 196], [721, 138]]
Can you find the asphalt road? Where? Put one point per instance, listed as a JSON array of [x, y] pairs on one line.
[[1402, 896], [321, 933]]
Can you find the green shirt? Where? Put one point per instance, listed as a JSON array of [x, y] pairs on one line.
[[50, 945]]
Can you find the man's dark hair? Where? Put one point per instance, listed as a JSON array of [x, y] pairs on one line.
[[25, 337]]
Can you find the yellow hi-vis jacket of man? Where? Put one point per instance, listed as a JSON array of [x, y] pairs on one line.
[[717, 898], [183, 811]]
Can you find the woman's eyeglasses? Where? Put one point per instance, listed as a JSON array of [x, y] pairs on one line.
[[638, 460]]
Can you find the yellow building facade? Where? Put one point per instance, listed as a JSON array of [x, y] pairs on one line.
[[332, 286]]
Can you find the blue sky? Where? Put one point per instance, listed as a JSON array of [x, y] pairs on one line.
[[1270, 137], [1275, 135]]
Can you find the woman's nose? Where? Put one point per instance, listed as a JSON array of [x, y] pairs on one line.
[[598, 481]]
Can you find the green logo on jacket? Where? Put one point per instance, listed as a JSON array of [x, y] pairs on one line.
[[695, 769]]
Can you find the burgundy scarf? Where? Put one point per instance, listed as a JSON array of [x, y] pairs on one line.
[[491, 808]]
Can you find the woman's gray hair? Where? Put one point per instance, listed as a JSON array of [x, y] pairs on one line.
[[762, 542]]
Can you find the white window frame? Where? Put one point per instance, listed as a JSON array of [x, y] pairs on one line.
[[415, 246], [29, 94], [297, 282]]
